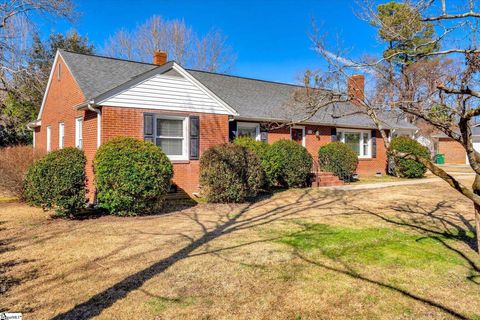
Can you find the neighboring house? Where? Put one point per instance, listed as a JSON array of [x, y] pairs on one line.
[[92, 99], [453, 151]]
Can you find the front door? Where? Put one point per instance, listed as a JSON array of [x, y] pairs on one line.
[[297, 135]]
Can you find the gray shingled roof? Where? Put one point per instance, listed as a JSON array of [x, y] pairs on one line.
[[251, 98], [96, 75], [265, 100]]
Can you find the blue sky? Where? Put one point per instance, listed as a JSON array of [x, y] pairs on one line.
[[270, 38]]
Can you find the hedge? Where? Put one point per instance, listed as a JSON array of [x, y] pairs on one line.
[[230, 173], [288, 164], [132, 176], [338, 158], [407, 168], [57, 181], [260, 149]]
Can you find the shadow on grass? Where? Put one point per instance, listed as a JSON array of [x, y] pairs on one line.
[[255, 214], [225, 225], [7, 281]]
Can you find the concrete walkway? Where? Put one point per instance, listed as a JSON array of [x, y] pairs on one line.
[[380, 185]]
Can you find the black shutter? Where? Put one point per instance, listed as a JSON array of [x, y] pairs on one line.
[[374, 143], [232, 130], [194, 138], [148, 127], [334, 134]]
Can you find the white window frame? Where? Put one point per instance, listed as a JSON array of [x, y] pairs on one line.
[[303, 133], [49, 138], [186, 136], [61, 135], [79, 132], [369, 132], [250, 125]]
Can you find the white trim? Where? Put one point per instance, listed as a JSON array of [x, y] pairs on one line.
[[303, 133], [369, 132], [250, 125], [186, 135], [49, 138], [79, 132], [61, 135], [104, 98], [212, 95], [50, 78]]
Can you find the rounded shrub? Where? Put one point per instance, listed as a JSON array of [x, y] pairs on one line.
[[230, 173], [57, 181], [339, 159], [407, 168], [260, 149], [131, 176], [288, 164]]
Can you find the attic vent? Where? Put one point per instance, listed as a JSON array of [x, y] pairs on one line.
[[59, 71]]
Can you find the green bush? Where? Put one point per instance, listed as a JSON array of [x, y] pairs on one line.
[[57, 181], [404, 167], [131, 176], [288, 164], [230, 173], [260, 149], [338, 158]]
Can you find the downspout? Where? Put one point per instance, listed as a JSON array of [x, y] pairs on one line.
[[91, 107], [33, 134]]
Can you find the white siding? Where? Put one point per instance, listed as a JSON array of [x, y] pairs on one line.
[[166, 93]]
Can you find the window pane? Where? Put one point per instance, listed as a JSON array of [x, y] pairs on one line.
[[169, 128], [352, 139], [366, 152], [247, 132], [171, 147]]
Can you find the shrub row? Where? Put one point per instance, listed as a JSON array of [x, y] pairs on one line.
[[133, 176], [235, 172]]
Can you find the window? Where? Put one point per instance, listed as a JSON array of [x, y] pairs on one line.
[[79, 133], [61, 135], [169, 133], [49, 138], [358, 140], [247, 129]]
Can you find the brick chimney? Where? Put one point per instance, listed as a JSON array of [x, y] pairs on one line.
[[159, 58], [356, 88]]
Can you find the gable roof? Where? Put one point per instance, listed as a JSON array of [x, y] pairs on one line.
[[268, 100], [96, 74], [251, 98]]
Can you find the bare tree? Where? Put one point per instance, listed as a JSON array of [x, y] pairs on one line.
[[428, 73], [16, 25], [209, 52]]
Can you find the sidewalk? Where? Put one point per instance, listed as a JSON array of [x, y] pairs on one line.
[[380, 185]]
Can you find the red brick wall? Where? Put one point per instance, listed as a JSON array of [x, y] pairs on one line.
[[129, 122], [313, 143], [62, 97], [453, 151]]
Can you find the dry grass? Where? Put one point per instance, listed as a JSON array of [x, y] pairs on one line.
[[300, 254]]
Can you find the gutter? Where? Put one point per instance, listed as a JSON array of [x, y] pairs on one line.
[[92, 107]]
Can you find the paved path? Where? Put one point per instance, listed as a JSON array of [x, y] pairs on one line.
[[380, 185]]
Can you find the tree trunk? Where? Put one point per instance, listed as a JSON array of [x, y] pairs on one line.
[[476, 190]]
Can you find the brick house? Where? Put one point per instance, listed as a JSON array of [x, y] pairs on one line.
[[92, 99], [453, 151]]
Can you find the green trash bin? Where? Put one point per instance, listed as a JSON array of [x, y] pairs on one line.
[[440, 158]]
